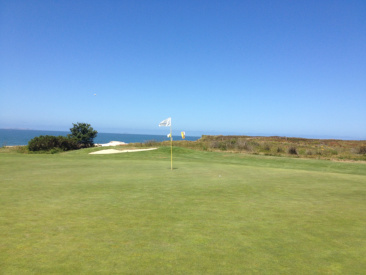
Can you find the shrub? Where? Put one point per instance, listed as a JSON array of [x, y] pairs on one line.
[[362, 150], [292, 150], [223, 145], [241, 144], [67, 143], [266, 147], [46, 143], [151, 143], [247, 145], [214, 144], [309, 152], [42, 143]]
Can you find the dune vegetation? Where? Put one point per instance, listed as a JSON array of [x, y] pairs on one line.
[[330, 149]]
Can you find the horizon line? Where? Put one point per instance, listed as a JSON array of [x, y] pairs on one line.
[[330, 137]]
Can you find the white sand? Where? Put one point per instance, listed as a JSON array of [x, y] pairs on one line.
[[114, 151], [111, 143]]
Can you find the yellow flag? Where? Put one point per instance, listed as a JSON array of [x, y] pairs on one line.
[[183, 135]]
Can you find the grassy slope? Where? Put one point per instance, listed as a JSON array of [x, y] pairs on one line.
[[215, 213], [327, 149]]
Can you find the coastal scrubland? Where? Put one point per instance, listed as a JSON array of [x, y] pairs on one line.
[[216, 212], [326, 149], [330, 149]]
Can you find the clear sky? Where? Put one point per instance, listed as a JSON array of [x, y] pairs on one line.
[[288, 68]]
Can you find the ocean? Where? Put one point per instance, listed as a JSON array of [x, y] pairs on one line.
[[10, 137]]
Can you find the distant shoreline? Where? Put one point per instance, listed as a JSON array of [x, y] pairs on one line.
[[15, 137], [305, 136]]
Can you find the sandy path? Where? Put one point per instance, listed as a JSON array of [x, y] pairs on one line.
[[114, 151]]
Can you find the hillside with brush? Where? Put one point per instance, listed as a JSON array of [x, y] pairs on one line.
[[331, 149]]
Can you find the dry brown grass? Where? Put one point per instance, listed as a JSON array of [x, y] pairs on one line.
[[331, 149]]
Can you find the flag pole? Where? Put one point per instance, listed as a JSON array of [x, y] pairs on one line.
[[168, 122], [171, 148]]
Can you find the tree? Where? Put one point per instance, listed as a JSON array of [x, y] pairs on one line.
[[84, 134]]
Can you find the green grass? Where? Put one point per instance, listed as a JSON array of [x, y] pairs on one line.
[[216, 213]]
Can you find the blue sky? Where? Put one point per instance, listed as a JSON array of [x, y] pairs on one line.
[[288, 68]]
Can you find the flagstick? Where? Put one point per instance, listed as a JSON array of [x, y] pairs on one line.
[[171, 148]]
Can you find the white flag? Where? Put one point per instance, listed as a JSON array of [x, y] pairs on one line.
[[166, 122]]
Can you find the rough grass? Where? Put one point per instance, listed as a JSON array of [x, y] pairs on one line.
[[354, 150], [221, 213]]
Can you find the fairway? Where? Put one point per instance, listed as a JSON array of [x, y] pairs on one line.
[[215, 213]]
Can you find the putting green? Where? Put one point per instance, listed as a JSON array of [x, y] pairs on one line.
[[214, 213]]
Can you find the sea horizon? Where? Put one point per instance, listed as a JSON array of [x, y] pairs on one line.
[[19, 137]]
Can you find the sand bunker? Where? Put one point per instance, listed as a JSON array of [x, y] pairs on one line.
[[114, 151], [111, 143]]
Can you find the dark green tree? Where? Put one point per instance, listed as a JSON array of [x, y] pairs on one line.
[[84, 134]]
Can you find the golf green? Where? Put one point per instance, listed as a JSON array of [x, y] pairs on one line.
[[214, 213]]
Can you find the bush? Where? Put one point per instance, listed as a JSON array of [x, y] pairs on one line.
[[67, 143], [292, 150], [249, 146], [46, 143], [309, 152], [150, 143], [362, 150]]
